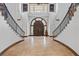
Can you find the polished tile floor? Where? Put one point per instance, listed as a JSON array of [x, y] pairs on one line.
[[38, 46]]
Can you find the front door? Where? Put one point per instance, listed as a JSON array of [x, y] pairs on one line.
[[38, 28]]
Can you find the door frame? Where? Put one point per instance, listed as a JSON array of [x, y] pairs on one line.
[[32, 24], [38, 28]]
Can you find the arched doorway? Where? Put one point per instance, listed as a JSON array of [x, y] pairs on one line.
[[38, 27]]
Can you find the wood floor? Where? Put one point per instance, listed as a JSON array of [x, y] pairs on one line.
[[38, 46]]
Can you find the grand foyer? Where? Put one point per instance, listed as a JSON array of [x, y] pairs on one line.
[[39, 29]]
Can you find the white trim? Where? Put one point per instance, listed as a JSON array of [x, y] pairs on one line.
[[32, 23]]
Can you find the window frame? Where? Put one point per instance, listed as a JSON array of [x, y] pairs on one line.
[[50, 10], [24, 8]]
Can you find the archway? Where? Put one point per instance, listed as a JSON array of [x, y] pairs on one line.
[[38, 27]]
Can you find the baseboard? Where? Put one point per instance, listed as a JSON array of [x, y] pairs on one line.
[[10, 46], [67, 47]]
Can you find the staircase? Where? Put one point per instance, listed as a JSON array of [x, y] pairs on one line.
[[66, 20], [10, 31], [10, 20], [70, 35]]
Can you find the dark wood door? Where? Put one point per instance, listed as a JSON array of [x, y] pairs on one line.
[[38, 28]]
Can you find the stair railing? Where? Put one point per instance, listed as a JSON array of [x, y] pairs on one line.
[[10, 20], [63, 24]]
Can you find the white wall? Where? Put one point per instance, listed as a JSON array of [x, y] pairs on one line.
[[26, 17], [60, 12], [47, 16], [50, 17], [62, 9], [70, 35], [25, 22], [7, 35], [15, 10]]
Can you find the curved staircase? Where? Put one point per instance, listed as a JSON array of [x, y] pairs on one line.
[[66, 20], [10, 31]]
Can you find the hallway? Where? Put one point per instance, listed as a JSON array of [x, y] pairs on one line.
[[38, 46]]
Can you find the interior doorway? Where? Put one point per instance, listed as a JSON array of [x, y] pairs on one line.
[[38, 27]]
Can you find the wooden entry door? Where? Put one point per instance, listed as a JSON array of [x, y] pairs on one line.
[[38, 28]]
